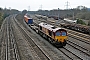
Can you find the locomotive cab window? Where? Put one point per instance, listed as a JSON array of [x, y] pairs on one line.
[[40, 28], [50, 33], [63, 33]]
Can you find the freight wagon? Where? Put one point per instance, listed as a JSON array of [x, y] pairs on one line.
[[77, 27], [28, 20]]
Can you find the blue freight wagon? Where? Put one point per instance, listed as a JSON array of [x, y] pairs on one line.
[[30, 21]]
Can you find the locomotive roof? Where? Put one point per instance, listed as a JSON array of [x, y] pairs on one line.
[[49, 27]]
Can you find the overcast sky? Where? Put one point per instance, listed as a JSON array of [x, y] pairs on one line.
[[44, 4]]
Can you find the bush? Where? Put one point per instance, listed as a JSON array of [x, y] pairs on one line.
[[79, 21]]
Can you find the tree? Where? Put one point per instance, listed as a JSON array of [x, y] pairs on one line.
[[24, 12], [1, 18], [83, 8], [1, 9]]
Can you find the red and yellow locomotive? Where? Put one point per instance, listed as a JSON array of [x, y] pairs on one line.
[[55, 35]]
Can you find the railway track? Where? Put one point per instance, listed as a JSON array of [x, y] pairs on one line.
[[72, 50], [85, 40], [79, 51], [75, 46], [80, 48], [69, 54], [9, 48], [75, 51], [45, 46], [37, 52], [13, 46], [79, 34], [3, 41], [73, 55], [10, 51]]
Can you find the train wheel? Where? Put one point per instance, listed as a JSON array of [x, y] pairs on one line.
[[43, 35], [49, 40], [37, 31], [58, 45]]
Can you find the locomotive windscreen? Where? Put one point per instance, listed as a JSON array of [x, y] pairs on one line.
[[63, 33], [57, 33]]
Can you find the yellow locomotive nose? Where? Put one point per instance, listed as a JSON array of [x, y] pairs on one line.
[[60, 38]]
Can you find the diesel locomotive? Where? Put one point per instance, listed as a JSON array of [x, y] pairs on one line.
[[55, 35]]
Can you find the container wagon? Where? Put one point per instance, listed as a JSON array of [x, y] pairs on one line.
[[28, 20]]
